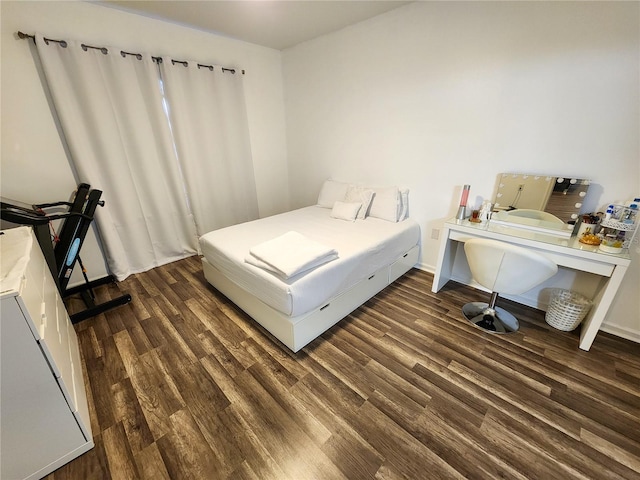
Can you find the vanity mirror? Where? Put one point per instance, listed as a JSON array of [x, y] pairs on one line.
[[560, 196]]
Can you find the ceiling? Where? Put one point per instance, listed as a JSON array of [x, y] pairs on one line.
[[275, 24]]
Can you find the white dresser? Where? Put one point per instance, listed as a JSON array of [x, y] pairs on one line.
[[44, 417]]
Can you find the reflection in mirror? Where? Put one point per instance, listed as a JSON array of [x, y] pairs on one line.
[[536, 215], [559, 196], [541, 222]]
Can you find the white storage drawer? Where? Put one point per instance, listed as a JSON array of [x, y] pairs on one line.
[[400, 266], [55, 340], [32, 299], [43, 402]]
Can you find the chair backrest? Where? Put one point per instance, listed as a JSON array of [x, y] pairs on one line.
[[505, 268]]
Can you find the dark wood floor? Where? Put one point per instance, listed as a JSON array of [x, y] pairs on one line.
[[183, 385]]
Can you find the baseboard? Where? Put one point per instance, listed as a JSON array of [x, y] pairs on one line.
[[426, 268], [624, 332]]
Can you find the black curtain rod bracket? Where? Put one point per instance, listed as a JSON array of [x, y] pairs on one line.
[[85, 47], [137, 55], [62, 43], [26, 35]]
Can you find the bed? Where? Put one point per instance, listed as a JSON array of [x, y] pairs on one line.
[[371, 247]]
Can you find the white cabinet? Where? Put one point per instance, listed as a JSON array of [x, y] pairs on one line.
[[44, 416]]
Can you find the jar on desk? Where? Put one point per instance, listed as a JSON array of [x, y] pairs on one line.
[[589, 223], [588, 228]]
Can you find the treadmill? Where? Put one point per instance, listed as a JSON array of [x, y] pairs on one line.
[[62, 252]]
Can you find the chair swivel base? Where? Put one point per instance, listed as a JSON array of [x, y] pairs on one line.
[[491, 320]]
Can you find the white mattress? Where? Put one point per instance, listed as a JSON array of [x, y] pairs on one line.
[[363, 247]]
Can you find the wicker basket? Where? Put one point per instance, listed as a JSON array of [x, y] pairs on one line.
[[567, 309]]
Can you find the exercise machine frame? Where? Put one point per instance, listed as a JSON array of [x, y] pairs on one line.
[[63, 253]]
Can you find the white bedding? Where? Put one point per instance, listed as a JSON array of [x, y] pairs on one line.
[[363, 247]]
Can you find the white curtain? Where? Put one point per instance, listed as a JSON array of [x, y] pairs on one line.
[[110, 108], [209, 123]]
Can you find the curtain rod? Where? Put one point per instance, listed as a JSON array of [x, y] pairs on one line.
[[105, 51]]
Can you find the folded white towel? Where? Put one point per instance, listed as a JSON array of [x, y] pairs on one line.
[[290, 254]]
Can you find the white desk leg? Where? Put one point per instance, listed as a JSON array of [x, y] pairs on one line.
[[446, 257], [592, 323]]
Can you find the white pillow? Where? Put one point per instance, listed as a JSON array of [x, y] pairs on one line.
[[385, 203], [403, 210], [346, 211], [363, 195], [331, 192]]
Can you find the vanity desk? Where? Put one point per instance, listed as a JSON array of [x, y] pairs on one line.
[[567, 252]]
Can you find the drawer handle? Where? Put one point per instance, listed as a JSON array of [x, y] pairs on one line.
[[322, 308], [371, 276], [405, 255]]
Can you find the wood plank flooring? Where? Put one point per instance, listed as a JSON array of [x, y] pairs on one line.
[[183, 385]]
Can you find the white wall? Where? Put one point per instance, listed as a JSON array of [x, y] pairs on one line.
[[35, 168], [434, 95]]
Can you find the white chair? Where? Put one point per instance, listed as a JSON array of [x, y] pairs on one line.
[[504, 269]]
